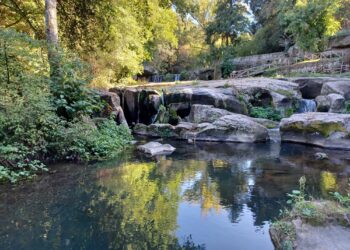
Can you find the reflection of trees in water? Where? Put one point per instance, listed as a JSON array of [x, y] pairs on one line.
[[146, 203], [125, 209]]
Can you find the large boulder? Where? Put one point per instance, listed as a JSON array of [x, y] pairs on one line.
[[333, 103], [219, 98], [282, 95], [233, 128], [327, 130], [309, 87], [341, 87]]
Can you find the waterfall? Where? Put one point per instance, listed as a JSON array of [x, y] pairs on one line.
[[274, 135], [306, 105]]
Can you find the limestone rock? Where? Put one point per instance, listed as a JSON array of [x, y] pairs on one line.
[[328, 130], [341, 87], [219, 98], [333, 103], [156, 148], [233, 128]]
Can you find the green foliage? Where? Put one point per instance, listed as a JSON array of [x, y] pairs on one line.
[[231, 19], [85, 141], [41, 119], [310, 22], [344, 200], [265, 112], [298, 195], [71, 96]]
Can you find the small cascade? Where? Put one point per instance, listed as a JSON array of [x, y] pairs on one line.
[[306, 105], [177, 77], [275, 135], [162, 103]]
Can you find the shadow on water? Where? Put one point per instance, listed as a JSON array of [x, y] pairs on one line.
[[208, 195]]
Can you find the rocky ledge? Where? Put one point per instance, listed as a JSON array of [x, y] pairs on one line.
[[328, 130], [206, 123]]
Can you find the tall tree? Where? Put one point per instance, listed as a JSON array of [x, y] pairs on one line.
[[231, 20], [52, 36]]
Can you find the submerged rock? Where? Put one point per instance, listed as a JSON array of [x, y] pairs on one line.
[[327, 130], [156, 148]]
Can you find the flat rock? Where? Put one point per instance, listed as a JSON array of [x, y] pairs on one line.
[[156, 148], [331, 237], [328, 130]]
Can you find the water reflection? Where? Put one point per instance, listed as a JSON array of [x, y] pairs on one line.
[[218, 196]]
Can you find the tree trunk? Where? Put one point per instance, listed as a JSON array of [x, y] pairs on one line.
[[52, 36]]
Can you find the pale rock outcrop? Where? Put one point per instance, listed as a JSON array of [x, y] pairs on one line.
[[156, 148], [328, 130]]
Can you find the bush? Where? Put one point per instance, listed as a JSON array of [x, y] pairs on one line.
[[226, 68], [41, 119], [266, 113]]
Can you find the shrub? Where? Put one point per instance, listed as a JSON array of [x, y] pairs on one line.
[[43, 119], [266, 113]]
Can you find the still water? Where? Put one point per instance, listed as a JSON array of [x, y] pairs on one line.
[[208, 195]]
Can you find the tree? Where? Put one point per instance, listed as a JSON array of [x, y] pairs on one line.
[[52, 36], [231, 20], [310, 22]]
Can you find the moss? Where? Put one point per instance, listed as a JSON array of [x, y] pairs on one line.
[[325, 129]]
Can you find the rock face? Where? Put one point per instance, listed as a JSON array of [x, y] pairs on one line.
[[229, 128], [219, 98], [156, 148], [328, 130], [333, 103], [139, 105], [310, 88]]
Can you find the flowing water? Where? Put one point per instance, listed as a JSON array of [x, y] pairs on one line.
[[306, 105], [207, 195]]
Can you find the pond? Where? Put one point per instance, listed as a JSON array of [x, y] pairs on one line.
[[207, 195]]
